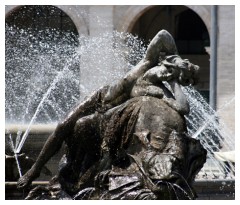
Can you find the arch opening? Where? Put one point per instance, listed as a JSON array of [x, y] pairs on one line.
[[41, 18]]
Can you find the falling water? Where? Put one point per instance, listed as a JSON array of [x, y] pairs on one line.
[[32, 63], [205, 125], [13, 149], [39, 107], [42, 75]]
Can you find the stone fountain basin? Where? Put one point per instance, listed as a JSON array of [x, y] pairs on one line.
[[217, 189]]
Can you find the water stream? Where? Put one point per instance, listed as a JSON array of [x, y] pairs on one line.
[[204, 124]]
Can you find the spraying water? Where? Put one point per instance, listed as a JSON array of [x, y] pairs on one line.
[[204, 124], [43, 84], [38, 109], [32, 64], [15, 154]]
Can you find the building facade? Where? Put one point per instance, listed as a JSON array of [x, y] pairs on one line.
[[189, 25]]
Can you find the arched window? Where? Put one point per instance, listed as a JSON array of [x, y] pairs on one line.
[[191, 34], [41, 17]]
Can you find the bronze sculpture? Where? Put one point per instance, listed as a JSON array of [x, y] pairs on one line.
[[129, 140]]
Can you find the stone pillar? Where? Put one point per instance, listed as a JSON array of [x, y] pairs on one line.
[[97, 63], [226, 67], [100, 18]]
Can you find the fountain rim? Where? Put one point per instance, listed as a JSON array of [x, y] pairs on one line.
[[34, 129]]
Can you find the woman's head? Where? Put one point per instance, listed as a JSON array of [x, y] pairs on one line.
[[188, 72]]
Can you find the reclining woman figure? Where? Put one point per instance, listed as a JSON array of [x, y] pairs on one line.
[[161, 53]]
